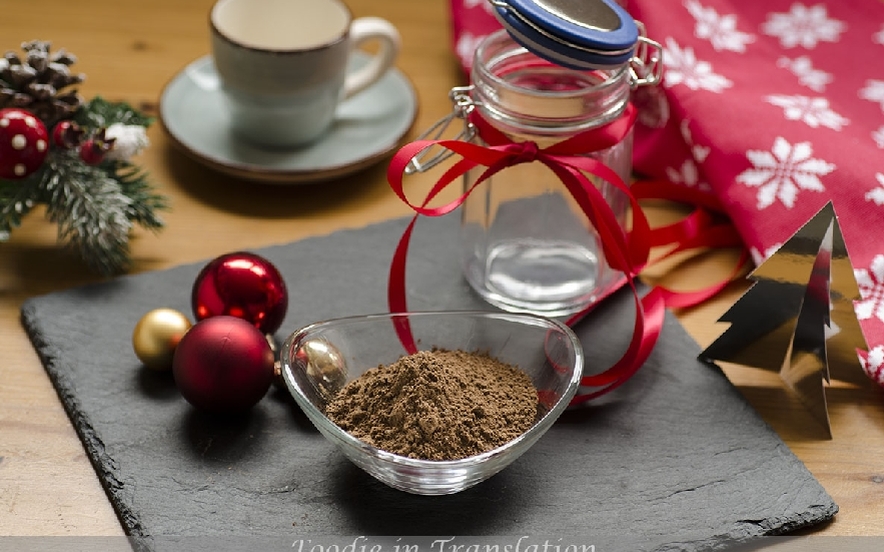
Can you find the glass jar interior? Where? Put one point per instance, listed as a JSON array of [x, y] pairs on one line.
[[526, 244], [525, 94]]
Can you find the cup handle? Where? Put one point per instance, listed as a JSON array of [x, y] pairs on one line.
[[363, 30]]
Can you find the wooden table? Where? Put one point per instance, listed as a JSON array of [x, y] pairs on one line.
[[129, 50]]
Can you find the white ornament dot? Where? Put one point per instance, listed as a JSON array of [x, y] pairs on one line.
[[19, 141], [20, 169], [41, 145], [4, 122], [31, 122]]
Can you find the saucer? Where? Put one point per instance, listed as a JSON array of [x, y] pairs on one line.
[[368, 127]]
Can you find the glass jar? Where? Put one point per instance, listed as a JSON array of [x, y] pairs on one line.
[[525, 243]]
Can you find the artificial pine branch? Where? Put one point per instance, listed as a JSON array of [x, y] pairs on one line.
[[144, 202], [99, 113], [95, 199], [90, 209], [16, 201]]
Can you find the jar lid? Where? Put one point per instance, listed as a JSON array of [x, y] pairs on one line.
[[580, 34]]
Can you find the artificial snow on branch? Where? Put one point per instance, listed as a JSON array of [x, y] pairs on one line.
[[74, 157]]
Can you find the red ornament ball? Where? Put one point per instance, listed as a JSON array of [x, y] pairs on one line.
[[67, 135], [223, 365], [94, 150], [24, 143], [244, 285]]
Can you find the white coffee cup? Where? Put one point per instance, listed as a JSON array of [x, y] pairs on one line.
[[283, 64]]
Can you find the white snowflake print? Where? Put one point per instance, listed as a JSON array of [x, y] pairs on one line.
[[871, 289], [466, 47], [781, 173], [700, 153], [873, 91], [803, 26], [473, 3], [687, 174], [682, 67], [873, 364], [761, 256], [720, 30], [802, 67], [814, 112], [878, 137], [878, 38], [876, 195]]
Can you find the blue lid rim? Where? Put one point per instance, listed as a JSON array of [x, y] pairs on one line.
[[622, 38], [574, 56]]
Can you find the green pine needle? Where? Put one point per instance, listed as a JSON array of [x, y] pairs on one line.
[[16, 201], [102, 113], [95, 207], [90, 209], [145, 202]]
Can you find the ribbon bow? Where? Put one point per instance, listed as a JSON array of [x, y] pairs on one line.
[[626, 252]]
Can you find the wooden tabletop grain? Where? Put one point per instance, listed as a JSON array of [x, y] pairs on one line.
[[129, 50]]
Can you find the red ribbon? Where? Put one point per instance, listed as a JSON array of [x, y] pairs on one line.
[[627, 252]]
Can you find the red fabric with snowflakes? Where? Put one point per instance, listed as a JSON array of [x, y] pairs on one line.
[[777, 107]]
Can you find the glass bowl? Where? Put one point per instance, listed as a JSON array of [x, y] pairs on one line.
[[319, 359]]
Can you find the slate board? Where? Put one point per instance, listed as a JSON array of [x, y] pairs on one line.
[[675, 459]]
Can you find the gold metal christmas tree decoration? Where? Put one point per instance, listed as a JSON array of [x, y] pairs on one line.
[[798, 319]]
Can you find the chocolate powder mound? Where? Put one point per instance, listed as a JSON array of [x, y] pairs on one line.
[[437, 405]]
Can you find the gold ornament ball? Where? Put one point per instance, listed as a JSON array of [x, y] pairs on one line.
[[156, 335]]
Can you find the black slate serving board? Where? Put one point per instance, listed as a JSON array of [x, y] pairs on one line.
[[674, 460]]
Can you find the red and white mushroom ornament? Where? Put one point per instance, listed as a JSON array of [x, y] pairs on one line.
[[24, 143]]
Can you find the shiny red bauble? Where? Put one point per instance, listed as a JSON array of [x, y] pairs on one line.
[[244, 285], [223, 365], [24, 143]]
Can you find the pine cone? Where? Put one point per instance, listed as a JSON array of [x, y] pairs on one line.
[[37, 82]]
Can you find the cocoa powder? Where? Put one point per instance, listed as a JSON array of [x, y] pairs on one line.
[[437, 405]]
